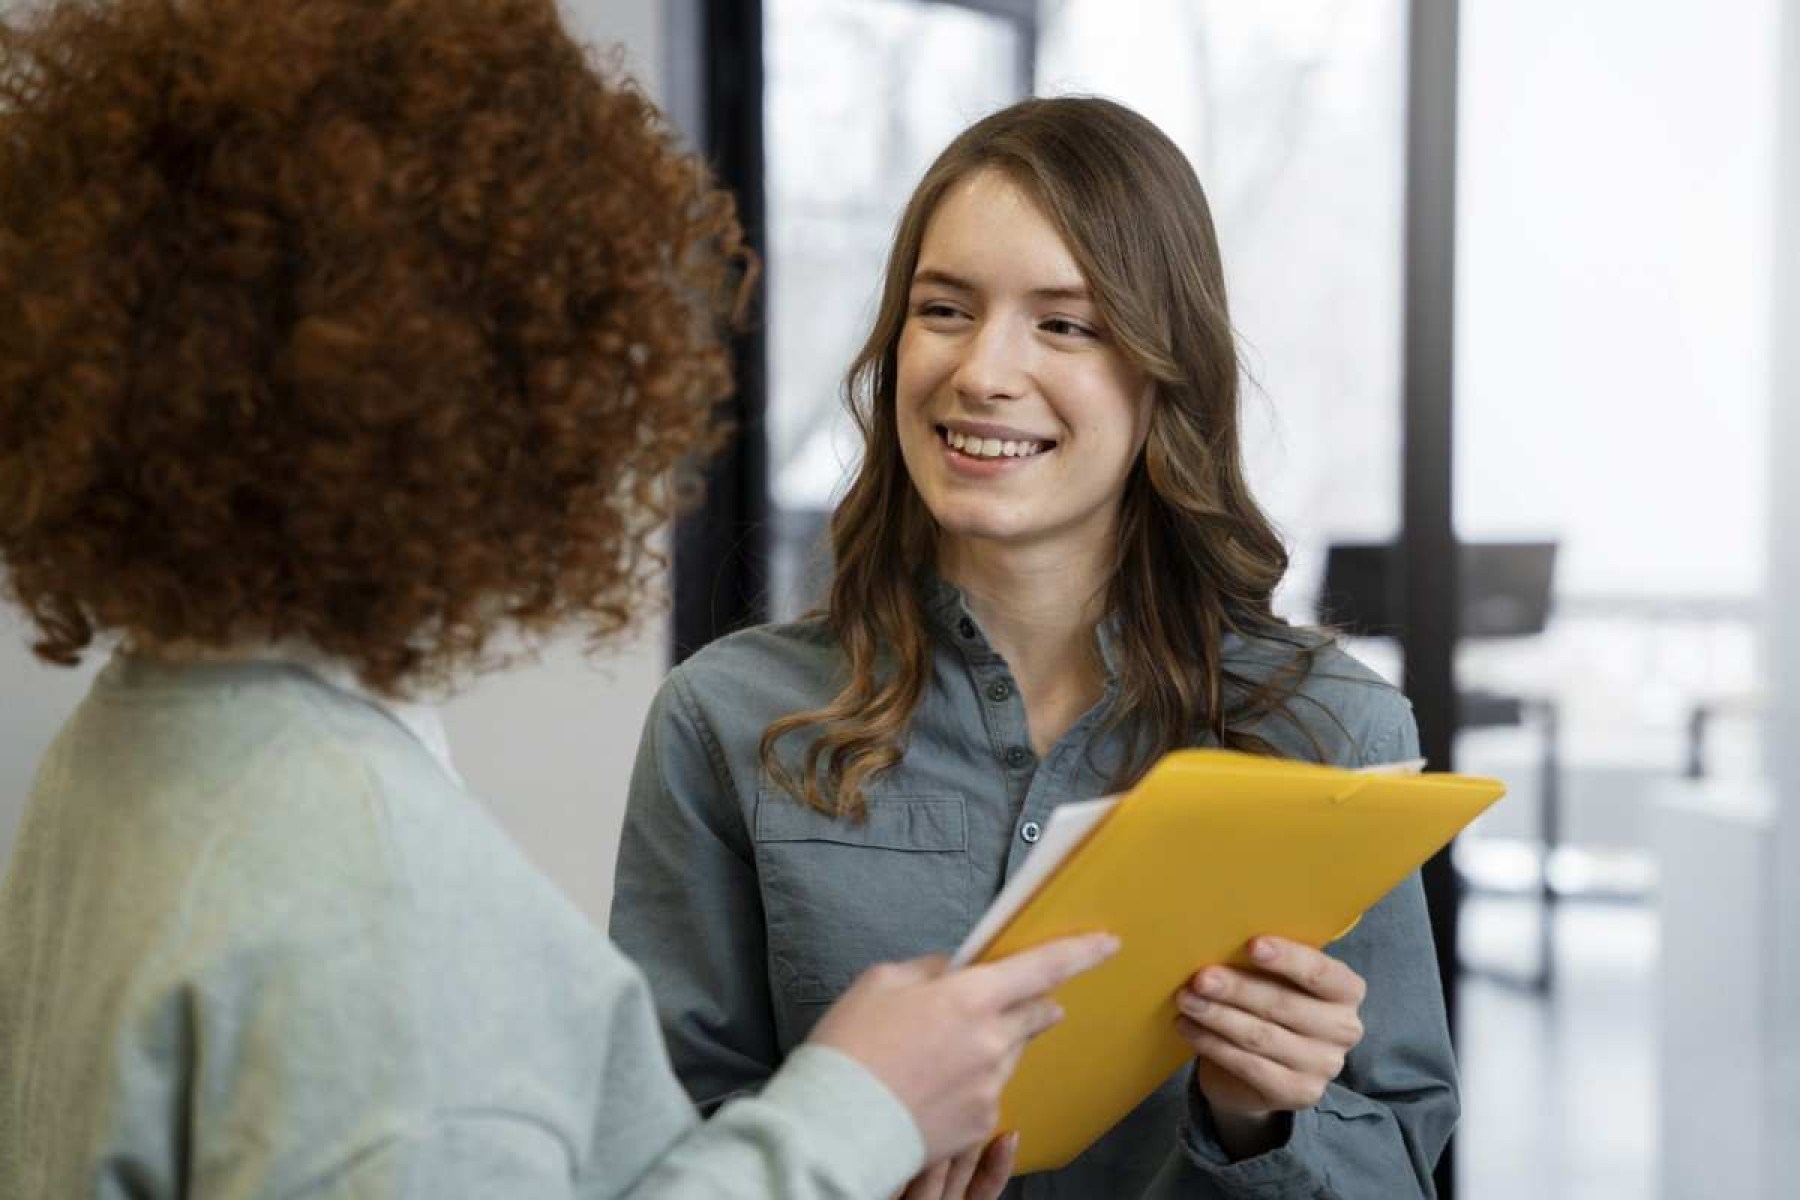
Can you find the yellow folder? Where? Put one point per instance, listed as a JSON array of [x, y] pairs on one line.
[[1209, 850]]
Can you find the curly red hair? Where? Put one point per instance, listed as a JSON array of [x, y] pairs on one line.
[[378, 325]]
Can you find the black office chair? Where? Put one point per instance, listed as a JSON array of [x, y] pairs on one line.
[[1505, 591]]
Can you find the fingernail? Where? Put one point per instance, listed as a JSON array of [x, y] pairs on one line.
[[1012, 1141], [1191, 1004], [1212, 984], [1262, 950]]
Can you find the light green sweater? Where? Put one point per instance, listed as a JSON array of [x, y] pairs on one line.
[[256, 941]]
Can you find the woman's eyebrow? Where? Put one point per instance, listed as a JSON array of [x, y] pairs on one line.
[[943, 278]]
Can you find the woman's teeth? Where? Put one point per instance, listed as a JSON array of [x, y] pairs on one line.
[[976, 447]]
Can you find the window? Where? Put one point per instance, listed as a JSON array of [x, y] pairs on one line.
[[1291, 114], [860, 95]]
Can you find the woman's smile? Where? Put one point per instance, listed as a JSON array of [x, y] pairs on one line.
[[978, 450]]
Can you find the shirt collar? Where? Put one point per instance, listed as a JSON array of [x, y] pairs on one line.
[[948, 613], [421, 720]]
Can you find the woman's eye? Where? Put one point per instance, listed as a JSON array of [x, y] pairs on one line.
[[1066, 328], [937, 309]]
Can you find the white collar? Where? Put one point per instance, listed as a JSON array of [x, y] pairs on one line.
[[419, 719]]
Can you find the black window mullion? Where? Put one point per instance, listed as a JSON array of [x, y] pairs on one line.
[[721, 552], [1428, 549]]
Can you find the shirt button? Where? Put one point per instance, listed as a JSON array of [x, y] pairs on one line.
[[1030, 831], [999, 691], [966, 627], [1018, 756]]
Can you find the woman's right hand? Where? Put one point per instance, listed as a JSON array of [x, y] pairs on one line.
[[945, 1042]]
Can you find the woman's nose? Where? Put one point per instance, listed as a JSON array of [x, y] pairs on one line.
[[992, 364]]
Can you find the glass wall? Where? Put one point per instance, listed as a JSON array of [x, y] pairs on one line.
[[1290, 113], [1611, 375], [860, 96]]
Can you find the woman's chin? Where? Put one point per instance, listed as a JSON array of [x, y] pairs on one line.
[[985, 528]]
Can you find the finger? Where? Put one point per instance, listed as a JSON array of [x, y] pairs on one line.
[[994, 1169], [1010, 1063], [1276, 1086], [1031, 1018], [1041, 969], [1249, 1031], [1274, 1000], [961, 1168], [1313, 970], [929, 1183]]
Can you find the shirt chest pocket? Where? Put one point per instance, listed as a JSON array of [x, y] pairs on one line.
[[841, 895]]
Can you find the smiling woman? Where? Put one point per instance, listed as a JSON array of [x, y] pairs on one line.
[[1049, 570], [1055, 274]]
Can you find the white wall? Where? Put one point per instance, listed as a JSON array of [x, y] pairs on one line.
[[549, 746], [1730, 884], [1613, 239], [34, 699], [636, 25], [1782, 1097]]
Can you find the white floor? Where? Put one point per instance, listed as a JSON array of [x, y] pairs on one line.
[[1559, 1097]]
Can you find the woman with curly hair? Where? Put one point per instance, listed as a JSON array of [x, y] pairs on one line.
[[1049, 570], [346, 348]]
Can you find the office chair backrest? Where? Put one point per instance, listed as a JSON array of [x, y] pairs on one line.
[[1506, 588]]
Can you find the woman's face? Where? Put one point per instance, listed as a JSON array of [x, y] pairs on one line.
[[1019, 419]]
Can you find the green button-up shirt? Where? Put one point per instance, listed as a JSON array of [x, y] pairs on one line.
[[750, 912], [257, 943]]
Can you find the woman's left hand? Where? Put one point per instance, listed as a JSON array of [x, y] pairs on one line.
[[1268, 1041], [978, 1173]]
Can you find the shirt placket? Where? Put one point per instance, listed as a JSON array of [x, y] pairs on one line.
[[1003, 716], [1033, 787]]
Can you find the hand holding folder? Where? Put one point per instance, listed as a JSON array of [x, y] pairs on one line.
[[1209, 850]]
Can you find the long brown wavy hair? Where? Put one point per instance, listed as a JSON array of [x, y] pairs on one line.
[[1196, 555], [374, 326]]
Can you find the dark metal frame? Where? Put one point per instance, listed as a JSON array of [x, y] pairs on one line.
[[1024, 14], [721, 552], [1428, 533], [714, 90]]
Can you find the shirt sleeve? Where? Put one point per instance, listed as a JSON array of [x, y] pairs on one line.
[[1378, 1131], [457, 1156], [386, 1000], [823, 1127], [687, 908]]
